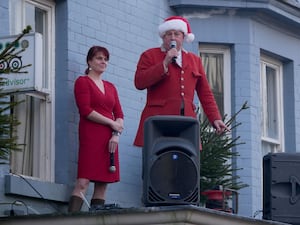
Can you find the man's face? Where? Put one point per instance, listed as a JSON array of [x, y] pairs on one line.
[[173, 35]]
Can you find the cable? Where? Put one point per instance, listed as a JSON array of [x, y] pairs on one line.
[[257, 212], [46, 200], [17, 202], [85, 200], [13, 212], [33, 210]]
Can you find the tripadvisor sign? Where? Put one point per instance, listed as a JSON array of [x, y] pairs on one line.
[[23, 71]]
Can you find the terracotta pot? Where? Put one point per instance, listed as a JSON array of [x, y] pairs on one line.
[[216, 194], [217, 200]]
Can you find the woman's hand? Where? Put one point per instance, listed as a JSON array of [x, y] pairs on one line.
[[113, 143], [117, 126]]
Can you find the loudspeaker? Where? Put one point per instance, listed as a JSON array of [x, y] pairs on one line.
[[171, 161], [281, 187]]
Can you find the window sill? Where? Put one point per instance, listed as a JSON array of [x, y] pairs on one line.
[[17, 185]]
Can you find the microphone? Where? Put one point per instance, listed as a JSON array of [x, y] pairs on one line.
[[112, 167], [173, 45]]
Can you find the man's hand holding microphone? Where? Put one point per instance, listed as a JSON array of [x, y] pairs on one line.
[[171, 55]]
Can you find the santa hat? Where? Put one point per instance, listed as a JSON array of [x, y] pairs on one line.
[[177, 23]]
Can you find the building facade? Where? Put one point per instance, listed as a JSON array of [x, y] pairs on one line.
[[250, 50]]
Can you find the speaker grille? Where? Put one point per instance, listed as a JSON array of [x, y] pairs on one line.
[[153, 197], [174, 176], [194, 197]]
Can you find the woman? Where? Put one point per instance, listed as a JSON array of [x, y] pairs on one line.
[[100, 125]]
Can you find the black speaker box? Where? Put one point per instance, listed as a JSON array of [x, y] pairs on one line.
[[281, 187], [171, 161]]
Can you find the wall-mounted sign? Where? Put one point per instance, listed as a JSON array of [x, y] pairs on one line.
[[21, 79]]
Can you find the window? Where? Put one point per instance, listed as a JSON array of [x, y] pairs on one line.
[[216, 62], [271, 105], [36, 113]]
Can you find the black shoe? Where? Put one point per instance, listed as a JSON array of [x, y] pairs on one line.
[[95, 208]]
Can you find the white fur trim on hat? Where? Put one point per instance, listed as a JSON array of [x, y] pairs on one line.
[[176, 24], [189, 37]]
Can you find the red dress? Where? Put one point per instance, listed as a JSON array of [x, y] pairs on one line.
[[93, 156]]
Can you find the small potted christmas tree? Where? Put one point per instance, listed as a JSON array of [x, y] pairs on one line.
[[218, 179]]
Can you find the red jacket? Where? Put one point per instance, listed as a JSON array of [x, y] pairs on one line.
[[167, 91]]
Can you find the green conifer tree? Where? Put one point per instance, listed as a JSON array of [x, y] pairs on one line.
[[218, 153], [8, 121]]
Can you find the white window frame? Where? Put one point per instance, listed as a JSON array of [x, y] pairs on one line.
[[278, 144], [42, 141], [225, 51]]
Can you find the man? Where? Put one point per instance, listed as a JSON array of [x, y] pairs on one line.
[[171, 76]]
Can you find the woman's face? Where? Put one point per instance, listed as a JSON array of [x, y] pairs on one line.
[[173, 35], [98, 63]]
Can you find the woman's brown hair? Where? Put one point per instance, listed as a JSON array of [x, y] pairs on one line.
[[92, 52]]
